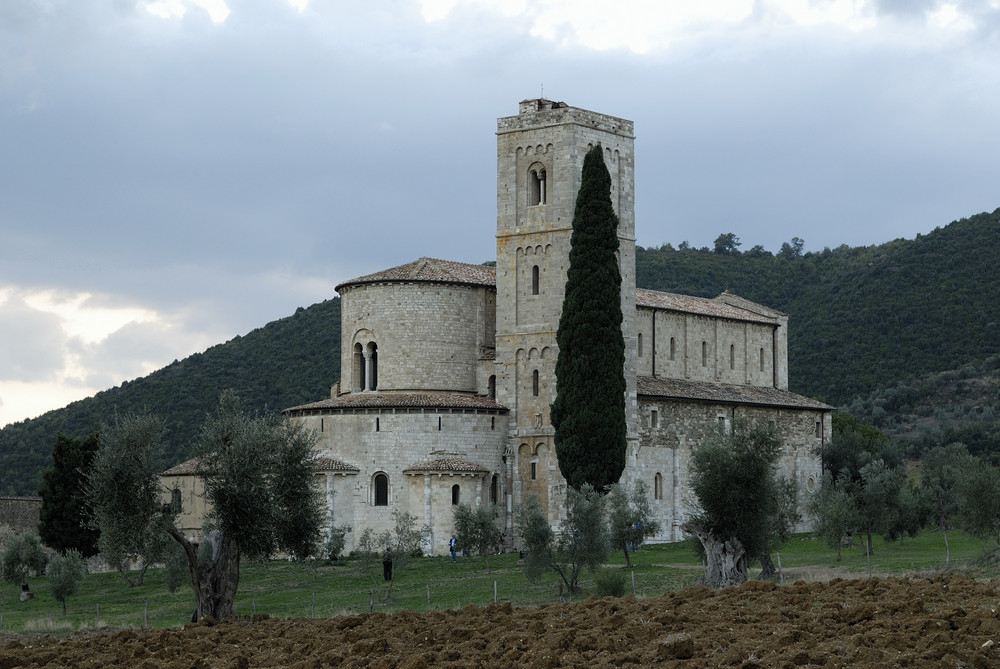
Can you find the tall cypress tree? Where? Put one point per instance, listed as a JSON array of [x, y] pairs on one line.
[[589, 410], [62, 521]]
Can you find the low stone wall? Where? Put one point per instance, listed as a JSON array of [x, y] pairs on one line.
[[18, 514]]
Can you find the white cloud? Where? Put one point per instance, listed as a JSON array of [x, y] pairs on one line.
[[81, 317], [950, 19], [175, 9]]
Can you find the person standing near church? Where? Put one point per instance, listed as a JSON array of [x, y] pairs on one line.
[[451, 545]]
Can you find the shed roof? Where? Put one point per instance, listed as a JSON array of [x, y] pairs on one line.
[[454, 465], [725, 393], [700, 306]]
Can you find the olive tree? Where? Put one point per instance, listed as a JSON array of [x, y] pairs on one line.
[[22, 557], [123, 493], [582, 541], [630, 518], [65, 573], [740, 495], [258, 477], [476, 529]]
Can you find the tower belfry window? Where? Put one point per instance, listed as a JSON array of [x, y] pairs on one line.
[[536, 186]]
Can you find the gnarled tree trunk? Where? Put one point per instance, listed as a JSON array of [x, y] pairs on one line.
[[214, 579], [726, 559]]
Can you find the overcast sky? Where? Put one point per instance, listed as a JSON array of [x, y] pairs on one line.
[[177, 172]]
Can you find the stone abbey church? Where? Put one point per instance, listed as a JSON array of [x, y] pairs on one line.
[[448, 369]]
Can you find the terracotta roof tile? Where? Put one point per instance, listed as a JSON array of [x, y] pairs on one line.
[[321, 463], [446, 465], [431, 270], [701, 306], [724, 392], [187, 468], [378, 400], [327, 464]]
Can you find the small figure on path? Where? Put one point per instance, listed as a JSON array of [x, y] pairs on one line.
[[451, 545]]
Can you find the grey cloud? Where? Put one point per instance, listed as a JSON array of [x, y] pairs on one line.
[[32, 342]]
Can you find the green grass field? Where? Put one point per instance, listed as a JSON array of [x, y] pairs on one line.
[[286, 589]]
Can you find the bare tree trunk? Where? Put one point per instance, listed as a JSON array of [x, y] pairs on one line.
[[726, 559], [628, 562]]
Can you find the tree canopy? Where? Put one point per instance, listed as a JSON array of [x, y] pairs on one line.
[[588, 413]]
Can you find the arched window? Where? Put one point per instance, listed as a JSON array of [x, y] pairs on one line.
[[704, 354], [534, 383], [492, 387], [534, 279], [495, 489], [381, 485], [658, 486], [455, 494], [359, 367], [732, 356], [673, 348], [536, 185], [639, 339], [373, 362]]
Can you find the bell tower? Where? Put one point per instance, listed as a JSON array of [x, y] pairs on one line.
[[540, 156]]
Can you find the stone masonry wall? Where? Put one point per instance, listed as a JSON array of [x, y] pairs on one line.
[[678, 426], [404, 438], [430, 336], [736, 352], [18, 514]]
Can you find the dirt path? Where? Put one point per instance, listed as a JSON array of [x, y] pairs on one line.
[[940, 622]]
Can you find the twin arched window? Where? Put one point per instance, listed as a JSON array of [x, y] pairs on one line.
[[536, 185]]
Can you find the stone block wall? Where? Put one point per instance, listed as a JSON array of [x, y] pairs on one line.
[[18, 514]]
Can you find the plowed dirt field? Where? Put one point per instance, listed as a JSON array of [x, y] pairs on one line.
[[948, 621]]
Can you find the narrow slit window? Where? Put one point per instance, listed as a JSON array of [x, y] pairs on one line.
[[654, 418], [534, 280], [534, 383], [534, 470], [455, 494], [704, 354], [658, 486], [732, 356], [673, 348], [640, 344]]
